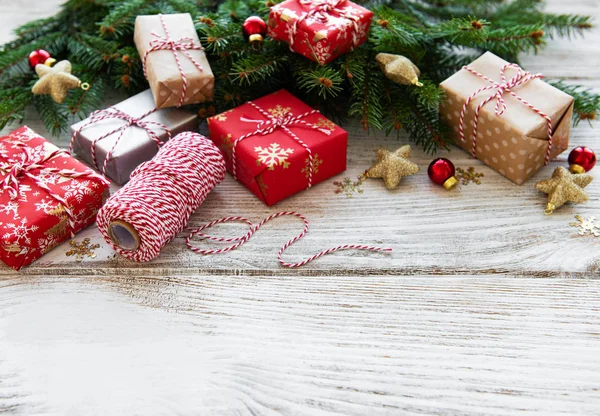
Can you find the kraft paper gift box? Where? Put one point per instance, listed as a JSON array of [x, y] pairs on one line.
[[271, 163], [50, 197], [135, 144], [162, 71], [320, 35], [516, 142]]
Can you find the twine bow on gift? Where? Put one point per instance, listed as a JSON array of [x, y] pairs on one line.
[[272, 123], [26, 165], [114, 113], [183, 45], [506, 86], [321, 10]]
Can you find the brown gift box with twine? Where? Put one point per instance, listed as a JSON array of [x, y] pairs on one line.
[[515, 141], [177, 77]]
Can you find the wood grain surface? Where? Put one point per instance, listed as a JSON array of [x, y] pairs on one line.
[[448, 324]]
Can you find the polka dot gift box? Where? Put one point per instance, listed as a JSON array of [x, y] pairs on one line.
[[507, 117]]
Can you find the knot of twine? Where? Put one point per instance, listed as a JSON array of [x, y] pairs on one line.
[[27, 166], [114, 113], [181, 45], [506, 86], [238, 241], [272, 123], [320, 10]]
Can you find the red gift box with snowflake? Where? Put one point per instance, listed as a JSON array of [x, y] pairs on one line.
[[321, 30], [46, 197], [278, 146]]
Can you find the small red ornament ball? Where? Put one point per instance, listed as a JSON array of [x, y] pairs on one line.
[[39, 56], [441, 171], [582, 159], [254, 29]]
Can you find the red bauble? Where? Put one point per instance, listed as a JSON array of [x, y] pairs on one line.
[[582, 159], [254, 30], [39, 57], [441, 171]]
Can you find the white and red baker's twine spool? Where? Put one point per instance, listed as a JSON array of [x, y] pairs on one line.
[[156, 204]]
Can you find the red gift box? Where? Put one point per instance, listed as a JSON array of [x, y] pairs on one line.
[[46, 196], [269, 144], [321, 30]]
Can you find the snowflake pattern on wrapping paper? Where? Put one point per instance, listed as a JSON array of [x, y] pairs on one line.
[[77, 190], [321, 52], [19, 232], [273, 156], [47, 243], [326, 124], [279, 111], [317, 162], [226, 146], [586, 226], [45, 205], [10, 206]]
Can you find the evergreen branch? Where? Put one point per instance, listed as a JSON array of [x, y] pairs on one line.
[[326, 80], [55, 116], [587, 103]]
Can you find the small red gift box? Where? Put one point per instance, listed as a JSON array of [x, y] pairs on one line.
[[46, 196], [321, 30], [278, 146]]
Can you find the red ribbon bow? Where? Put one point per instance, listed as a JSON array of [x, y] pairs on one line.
[[114, 113], [506, 86], [25, 165]]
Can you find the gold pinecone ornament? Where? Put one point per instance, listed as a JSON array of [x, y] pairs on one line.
[[399, 69]]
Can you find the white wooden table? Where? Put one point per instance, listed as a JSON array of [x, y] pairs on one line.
[[486, 306]]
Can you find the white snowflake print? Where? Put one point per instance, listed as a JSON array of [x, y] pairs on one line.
[[10, 206], [322, 52], [47, 243], [26, 135], [361, 31], [78, 189], [19, 232], [47, 178], [45, 205], [273, 156]]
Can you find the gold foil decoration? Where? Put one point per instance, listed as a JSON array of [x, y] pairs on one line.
[[392, 166], [83, 249], [564, 187], [56, 81], [586, 226], [399, 69]]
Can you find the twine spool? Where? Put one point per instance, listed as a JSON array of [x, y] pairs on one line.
[[156, 204]]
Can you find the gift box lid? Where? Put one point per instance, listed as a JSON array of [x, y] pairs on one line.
[[527, 122], [293, 10]]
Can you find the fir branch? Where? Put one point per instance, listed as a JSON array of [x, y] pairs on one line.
[[13, 102], [326, 80], [257, 68], [55, 116], [587, 103]]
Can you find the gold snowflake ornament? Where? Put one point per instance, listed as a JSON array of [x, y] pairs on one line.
[[83, 249], [587, 226]]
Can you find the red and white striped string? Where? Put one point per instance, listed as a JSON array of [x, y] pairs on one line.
[[520, 78], [163, 193], [238, 241], [114, 113], [284, 121], [320, 10], [183, 45], [25, 165]]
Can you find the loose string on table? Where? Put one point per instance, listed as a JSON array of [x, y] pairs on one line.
[[183, 45], [521, 77], [25, 165], [161, 195], [320, 10], [115, 113], [238, 241], [283, 121]]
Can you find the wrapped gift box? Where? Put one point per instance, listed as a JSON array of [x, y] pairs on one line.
[[322, 33], [37, 179], [162, 69], [514, 143], [269, 160], [135, 144]]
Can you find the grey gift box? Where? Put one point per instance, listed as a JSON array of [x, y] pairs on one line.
[[135, 146]]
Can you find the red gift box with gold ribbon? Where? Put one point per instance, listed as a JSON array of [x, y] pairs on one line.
[[278, 146], [46, 197], [321, 30]]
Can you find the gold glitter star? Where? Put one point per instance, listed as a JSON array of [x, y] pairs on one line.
[[564, 187], [56, 81], [392, 166]]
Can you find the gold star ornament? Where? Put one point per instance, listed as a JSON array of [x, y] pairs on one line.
[[56, 81], [564, 187], [392, 166]]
